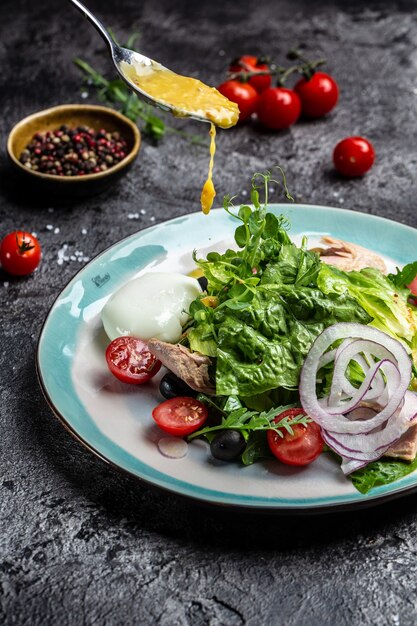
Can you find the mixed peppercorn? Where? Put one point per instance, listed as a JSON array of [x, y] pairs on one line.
[[74, 151]]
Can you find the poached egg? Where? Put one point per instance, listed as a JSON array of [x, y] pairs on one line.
[[154, 305]]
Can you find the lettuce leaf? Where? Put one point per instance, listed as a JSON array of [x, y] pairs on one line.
[[386, 302], [264, 346], [381, 472]]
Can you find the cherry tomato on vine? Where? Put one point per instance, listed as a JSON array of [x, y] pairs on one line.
[[278, 108], [130, 361], [180, 416], [243, 94], [353, 156], [318, 95], [301, 448], [20, 253], [248, 63]]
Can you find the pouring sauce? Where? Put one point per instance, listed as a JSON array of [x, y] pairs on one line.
[[187, 96], [208, 192]]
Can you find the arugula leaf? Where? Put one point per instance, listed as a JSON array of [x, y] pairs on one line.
[[381, 472], [257, 448], [246, 421], [405, 276]]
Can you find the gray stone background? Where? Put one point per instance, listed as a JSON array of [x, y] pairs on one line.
[[83, 544]]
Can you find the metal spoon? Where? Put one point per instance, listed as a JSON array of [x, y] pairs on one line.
[[127, 61]]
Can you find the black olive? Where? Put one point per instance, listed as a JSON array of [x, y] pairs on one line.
[[227, 445], [203, 283], [171, 386]]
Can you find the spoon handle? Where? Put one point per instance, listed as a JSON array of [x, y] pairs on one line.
[[94, 21]]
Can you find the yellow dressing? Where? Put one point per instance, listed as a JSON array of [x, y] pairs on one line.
[[208, 192], [187, 96], [196, 273]]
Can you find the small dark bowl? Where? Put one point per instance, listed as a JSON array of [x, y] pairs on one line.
[[73, 115]]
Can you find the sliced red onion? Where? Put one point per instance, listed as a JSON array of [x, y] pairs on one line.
[[173, 447], [348, 353], [371, 446], [359, 437]]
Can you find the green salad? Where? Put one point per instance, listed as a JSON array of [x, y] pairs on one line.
[[268, 302]]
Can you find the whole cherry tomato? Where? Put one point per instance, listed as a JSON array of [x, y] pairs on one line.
[[243, 94], [278, 107], [20, 253], [300, 448], [248, 63], [318, 95], [353, 156]]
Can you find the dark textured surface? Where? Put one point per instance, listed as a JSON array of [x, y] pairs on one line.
[[82, 544]]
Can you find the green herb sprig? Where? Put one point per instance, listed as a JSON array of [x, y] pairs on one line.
[[247, 421], [257, 237]]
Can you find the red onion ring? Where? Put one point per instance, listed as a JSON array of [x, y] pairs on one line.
[[384, 387]]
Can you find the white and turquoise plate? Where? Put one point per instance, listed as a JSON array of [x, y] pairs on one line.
[[114, 420]]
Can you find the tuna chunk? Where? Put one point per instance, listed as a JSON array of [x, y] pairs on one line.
[[348, 256], [191, 367], [406, 447]]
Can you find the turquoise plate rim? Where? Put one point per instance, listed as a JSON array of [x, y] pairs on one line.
[[86, 432]]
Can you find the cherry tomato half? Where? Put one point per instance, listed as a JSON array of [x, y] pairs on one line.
[[248, 63], [245, 96], [302, 447], [318, 95], [130, 361], [413, 286], [278, 108], [20, 253], [180, 416], [353, 156]]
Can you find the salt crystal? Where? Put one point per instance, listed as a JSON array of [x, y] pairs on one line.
[[84, 95], [56, 230], [132, 216], [152, 218], [73, 257], [83, 231], [35, 234], [49, 227], [61, 254], [142, 211]]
